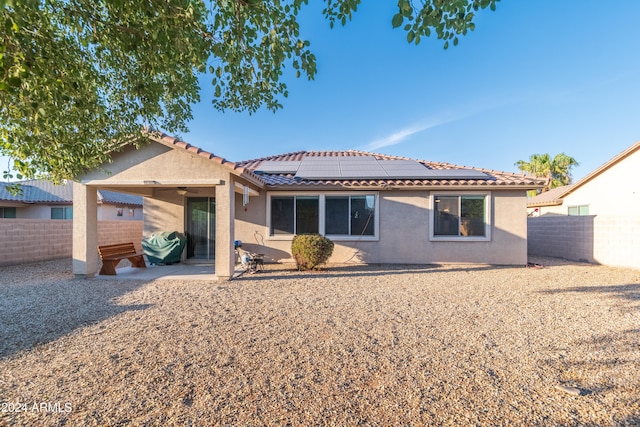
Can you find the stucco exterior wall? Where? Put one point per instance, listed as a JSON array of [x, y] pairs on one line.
[[155, 162], [613, 192], [36, 211], [110, 213], [164, 214], [403, 234], [548, 210], [31, 240]]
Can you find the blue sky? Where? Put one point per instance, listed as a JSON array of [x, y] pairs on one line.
[[541, 76]]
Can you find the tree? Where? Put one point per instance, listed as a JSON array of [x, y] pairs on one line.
[[556, 170], [78, 78]]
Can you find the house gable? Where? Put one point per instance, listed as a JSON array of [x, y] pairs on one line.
[[611, 189], [606, 190]]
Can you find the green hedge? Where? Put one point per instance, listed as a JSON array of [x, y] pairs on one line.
[[311, 250]]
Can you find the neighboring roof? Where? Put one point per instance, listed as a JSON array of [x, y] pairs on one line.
[[477, 176], [554, 197], [549, 198], [43, 191], [114, 198], [613, 161], [38, 191]]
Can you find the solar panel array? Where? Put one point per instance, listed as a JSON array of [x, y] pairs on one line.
[[362, 167]]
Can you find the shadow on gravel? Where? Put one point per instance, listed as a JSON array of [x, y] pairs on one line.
[[629, 292], [39, 307], [371, 270]]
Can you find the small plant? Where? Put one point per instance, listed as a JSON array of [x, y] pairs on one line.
[[311, 250]]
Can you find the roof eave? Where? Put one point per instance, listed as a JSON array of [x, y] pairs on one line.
[[544, 204], [232, 167]]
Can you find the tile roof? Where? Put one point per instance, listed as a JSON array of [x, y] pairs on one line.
[[552, 197], [174, 142], [43, 191], [38, 191], [114, 198], [496, 178], [5, 195], [247, 168]]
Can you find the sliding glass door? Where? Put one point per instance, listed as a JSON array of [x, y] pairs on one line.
[[201, 227]]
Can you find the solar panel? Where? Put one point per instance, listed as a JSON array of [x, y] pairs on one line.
[[275, 166], [355, 167]]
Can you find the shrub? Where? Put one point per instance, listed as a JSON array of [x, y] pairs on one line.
[[311, 250]]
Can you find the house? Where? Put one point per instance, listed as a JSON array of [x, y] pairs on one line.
[[596, 219], [549, 202], [376, 208], [41, 199]]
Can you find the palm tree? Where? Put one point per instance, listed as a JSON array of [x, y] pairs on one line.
[[556, 170]]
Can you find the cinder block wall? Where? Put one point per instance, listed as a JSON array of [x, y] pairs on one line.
[[603, 239], [568, 237], [31, 240], [110, 232]]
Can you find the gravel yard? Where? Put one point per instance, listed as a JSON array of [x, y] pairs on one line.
[[374, 345]]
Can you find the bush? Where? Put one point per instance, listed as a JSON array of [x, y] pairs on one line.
[[311, 250]]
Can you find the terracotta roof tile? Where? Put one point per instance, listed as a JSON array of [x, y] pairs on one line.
[[247, 168], [496, 178], [549, 198]]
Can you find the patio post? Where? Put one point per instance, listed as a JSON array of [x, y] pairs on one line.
[[225, 218], [85, 230]]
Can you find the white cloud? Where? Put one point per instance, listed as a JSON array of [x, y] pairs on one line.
[[453, 115], [402, 134]]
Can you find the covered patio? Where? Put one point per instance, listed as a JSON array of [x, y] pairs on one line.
[[185, 189]]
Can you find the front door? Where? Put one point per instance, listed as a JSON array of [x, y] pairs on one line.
[[201, 230]]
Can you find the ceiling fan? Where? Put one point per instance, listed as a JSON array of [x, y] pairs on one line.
[[182, 191]]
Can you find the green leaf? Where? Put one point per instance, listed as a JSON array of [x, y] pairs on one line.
[[397, 20]]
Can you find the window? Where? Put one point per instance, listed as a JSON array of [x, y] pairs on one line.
[[350, 215], [119, 211], [294, 215], [578, 210], [460, 216], [7, 212], [62, 213], [341, 216]]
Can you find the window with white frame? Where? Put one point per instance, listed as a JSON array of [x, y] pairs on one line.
[[337, 215], [62, 213], [460, 216], [578, 210]]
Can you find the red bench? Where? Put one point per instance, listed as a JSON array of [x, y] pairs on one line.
[[111, 255]]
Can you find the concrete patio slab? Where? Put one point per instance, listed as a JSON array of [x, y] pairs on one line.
[[181, 271]]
